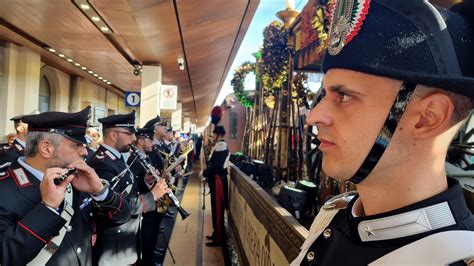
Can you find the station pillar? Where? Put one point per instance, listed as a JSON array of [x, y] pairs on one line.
[[150, 93]]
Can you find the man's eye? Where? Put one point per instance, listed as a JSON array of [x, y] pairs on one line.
[[344, 97]]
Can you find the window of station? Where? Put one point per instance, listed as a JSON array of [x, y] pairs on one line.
[[233, 125], [44, 98]]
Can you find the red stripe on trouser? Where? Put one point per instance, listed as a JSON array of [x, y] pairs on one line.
[[219, 209]]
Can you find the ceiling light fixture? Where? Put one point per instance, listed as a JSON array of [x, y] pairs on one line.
[[77, 64], [91, 14]]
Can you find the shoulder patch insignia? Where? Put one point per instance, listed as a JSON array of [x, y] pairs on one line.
[[110, 155], [21, 178], [99, 155]]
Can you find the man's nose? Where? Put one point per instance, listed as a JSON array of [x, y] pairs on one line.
[[319, 114]]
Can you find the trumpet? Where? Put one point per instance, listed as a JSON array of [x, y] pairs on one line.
[[150, 169]]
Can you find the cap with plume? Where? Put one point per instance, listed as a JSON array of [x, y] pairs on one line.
[[216, 115]]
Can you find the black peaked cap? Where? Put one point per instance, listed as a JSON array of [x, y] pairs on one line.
[[153, 122], [146, 132], [126, 121], [71, 125]]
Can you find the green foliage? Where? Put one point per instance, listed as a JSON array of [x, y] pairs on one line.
[[238, 83], [275, 52]]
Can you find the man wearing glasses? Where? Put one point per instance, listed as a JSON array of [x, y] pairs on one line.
[[119, 244]]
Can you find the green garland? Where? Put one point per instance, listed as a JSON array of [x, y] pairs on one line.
[[275, 52], [238, 83]]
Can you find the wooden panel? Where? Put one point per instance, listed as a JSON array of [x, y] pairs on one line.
[[147, 31]]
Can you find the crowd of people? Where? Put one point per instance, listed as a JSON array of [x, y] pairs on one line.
[[73, 195]]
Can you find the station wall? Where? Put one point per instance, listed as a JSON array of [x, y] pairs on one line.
[[22, 71]]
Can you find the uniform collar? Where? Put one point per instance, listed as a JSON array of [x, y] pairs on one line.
[[112, 150], [37, 173], [437, 212], [21, 143]]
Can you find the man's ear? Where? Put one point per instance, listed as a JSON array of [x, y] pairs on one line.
[[435, 114], [46, 149], [20, 128]]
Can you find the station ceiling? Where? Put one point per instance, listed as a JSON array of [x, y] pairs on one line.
[[205, 33]]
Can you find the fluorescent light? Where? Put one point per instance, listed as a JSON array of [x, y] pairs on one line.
[[90, 71], [77, 64], [104, 80], [61, 55], [95, 18], [96, 75], [104, 29], [109, 82], [100, 78], [51, 50], [83, 68], [85, 7], [70, 60]]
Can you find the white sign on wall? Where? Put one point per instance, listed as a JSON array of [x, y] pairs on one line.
[[168, 97], [176, 117]]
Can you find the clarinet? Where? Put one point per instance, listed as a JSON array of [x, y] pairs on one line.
[[58, 180], [150, 169]]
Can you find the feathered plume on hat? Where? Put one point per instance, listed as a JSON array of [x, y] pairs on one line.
[[216, 114]]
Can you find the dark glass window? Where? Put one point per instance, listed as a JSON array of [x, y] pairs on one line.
[[233, 125]]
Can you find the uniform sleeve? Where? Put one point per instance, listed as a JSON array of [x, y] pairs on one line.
[[22, 240], [113, 209], [134, 205], [102, 170]]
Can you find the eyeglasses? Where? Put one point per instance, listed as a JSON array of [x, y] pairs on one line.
[[128, 133]]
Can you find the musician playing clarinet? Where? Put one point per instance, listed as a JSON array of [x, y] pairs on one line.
[[48, 223], [119, 245], [151, 220]]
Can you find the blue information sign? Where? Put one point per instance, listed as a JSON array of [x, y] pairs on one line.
[[132, 99]]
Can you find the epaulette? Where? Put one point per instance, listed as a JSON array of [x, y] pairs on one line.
[[4, 173], [220, 146], [99, 155], [5, 147], [110, 155], [340, 201]]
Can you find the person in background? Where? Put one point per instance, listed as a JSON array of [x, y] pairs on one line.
[[10, 151], [151, 221], [216, 175]]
